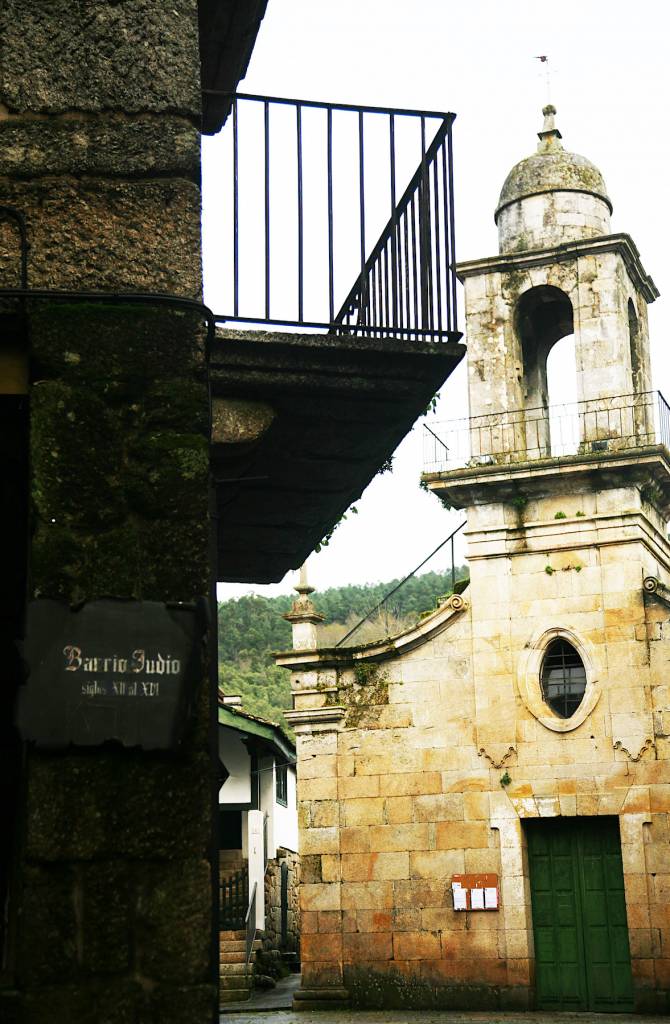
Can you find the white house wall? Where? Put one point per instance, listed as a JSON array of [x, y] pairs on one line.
[[235, 756], [286, 818]]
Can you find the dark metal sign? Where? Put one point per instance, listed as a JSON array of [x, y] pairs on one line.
[[110, 670]]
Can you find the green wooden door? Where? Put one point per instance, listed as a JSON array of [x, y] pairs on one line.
[[582, 959]]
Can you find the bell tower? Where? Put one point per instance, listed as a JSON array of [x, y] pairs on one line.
[[559, 272], [567, 506]]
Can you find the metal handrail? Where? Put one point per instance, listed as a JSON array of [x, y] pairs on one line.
[[265, 841], [406, 281], [250, 924], [394, 590], [589, 427]]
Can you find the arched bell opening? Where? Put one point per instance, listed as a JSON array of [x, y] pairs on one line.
[[544, 318], [636, 362], [564, 413], [641, 400]]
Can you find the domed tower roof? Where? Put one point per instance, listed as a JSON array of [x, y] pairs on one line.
[[549, 171]]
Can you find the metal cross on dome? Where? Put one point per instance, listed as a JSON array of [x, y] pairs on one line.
[[548, 72]]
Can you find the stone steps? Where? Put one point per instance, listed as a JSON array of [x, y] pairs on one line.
[[236, 981], [235, 977], [232, 969], [232, 946], [236, 946], [226, 957], [233, 995]]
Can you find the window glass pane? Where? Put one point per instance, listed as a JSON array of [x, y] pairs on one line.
[[563, 678], [281, 784]]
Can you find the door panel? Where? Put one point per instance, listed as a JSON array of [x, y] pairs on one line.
[[579, 915], [558, 955]]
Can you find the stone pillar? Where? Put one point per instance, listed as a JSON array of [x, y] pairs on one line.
[[321, 912], [303, 615], [515, 906], [99, 153], [257, 864]]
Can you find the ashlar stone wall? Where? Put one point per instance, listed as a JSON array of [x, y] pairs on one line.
[[423, 757], [273, 903]]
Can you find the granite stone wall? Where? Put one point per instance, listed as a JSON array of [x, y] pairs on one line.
[[99, 114], [424, 758], [273, 915]]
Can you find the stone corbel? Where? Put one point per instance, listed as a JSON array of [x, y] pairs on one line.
[[652, 585]]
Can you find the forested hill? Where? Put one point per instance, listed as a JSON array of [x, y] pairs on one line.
[[251, 627]]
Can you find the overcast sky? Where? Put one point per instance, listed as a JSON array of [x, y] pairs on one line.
[[610, 84]]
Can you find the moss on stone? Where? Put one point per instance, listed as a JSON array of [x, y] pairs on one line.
[[172, 921], [395, 990], [184, 575], [557, 170], [368, 690], [166, 472], [56, 562], [74, 566], [114, 565], [133, 342], [76, 457], [514, 281], [177, 1004], [107, 910], [47, 951], [87, 1001], [119, 803], [310, 869], [176, 407]]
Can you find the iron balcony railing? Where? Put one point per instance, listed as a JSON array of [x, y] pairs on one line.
[[234, 900], [594, 426], [332, 217]]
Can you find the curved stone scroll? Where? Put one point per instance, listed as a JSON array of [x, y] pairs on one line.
[[652, 585]]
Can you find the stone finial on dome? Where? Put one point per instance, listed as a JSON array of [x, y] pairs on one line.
[[550, 136], [303, 615]]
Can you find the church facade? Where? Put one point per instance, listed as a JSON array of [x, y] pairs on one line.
[[484, 799]]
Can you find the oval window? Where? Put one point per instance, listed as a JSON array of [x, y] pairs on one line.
[[563, 678]]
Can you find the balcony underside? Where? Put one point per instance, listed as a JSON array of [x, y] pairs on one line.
[[337, 408], [228, 30]]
